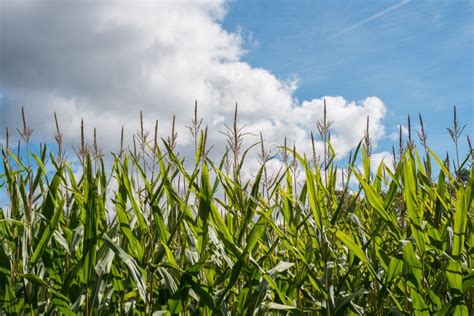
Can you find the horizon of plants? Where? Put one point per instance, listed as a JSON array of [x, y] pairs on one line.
[[150, 235]]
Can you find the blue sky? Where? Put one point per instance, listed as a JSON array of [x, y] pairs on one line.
[[416, 56]]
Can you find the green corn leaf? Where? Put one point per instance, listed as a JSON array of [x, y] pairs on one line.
[[352, 245], [135, 271], [53, 209]]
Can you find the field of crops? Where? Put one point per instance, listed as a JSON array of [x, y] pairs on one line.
[[154, 233]]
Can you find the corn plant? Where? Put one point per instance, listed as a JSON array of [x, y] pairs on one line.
[[154, 233]]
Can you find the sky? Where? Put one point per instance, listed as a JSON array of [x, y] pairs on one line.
[[416, 56], [104, 61]]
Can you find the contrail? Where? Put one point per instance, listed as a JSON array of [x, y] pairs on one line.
[[377, 15]]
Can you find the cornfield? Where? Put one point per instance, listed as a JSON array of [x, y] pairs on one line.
[[158, 234]]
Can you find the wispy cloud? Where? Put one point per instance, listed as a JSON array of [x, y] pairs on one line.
[[370, 18]]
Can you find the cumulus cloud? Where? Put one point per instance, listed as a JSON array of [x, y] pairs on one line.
[[379, 158], [107, 60]]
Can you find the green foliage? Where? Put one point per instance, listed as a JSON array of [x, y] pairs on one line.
[[149, 233]]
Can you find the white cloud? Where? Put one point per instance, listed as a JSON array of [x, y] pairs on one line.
[[105, 61], [377, 158]]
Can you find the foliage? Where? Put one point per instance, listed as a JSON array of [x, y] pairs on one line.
[[150, 233]]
